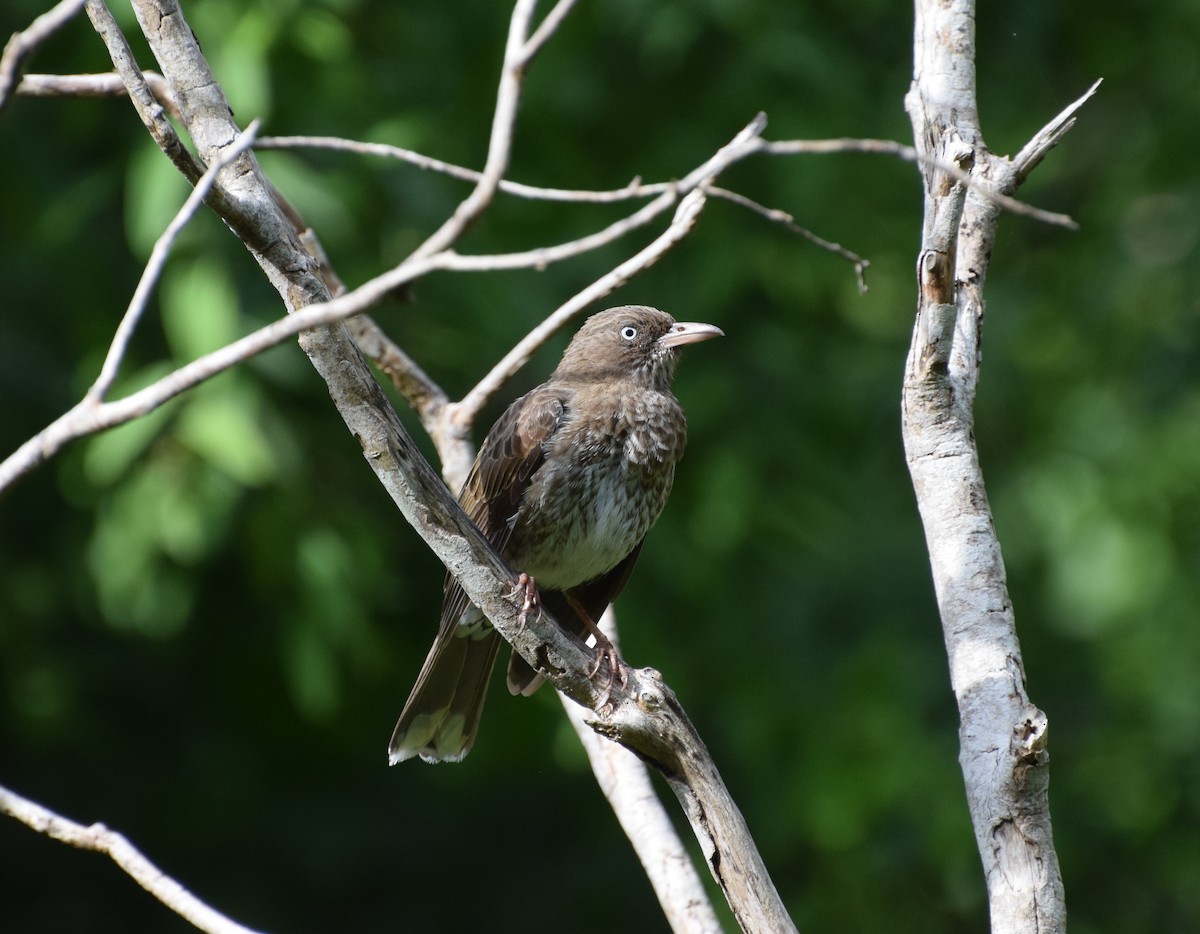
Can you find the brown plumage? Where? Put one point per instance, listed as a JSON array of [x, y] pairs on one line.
[[566, 486]]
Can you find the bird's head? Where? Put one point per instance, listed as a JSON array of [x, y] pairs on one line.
[[632, 341]]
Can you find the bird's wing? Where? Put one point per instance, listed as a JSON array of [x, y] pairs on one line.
[[508, 458]]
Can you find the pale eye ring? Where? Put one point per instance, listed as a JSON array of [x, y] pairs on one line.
[[629, 332]]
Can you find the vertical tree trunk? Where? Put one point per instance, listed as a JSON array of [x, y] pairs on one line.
[[1002, 734]]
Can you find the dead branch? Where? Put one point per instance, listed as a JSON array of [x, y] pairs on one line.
[[101, 839], [1003, 735], [23, 44]]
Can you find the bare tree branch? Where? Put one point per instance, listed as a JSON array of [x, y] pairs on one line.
[[158, 259], [545, 31], [103, 840], [508, 96], [625, 783], [1049, 136], [782, 217], [105, 84], [1003, 735], [456, 418], [637, 188], [85, 420], [926, 161], [692, 185], [88, 419], [144, 100], [643, 714], [634, 189], [22, 44]]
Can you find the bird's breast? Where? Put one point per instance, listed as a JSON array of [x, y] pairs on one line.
[[604, 482]]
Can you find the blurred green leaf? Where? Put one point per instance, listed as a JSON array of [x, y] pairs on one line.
[[154, 193], [312, 674], [199, 308], [222, 425]]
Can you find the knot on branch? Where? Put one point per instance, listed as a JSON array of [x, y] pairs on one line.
[[650, 695], [935, 276], [960, 154], [1030, 742]]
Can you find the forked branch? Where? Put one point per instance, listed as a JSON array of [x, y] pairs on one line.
[[1002, 733]]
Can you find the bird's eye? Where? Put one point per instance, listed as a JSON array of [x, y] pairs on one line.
[[629, 332]]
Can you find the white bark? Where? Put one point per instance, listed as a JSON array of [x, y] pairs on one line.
[[1003, 736], [103, 839]]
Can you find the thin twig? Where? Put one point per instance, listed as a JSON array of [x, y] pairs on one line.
[[158, 258], [23, 44], [782, 217], [909, 154], [508, 95], [635, 189], [104, 84], [685, 215], [544, 31], [638, 189], [1048, 136], [87, 417], [140, 94], [541, 257], [101, 839]]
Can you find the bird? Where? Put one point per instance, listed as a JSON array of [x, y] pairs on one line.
[[565, 487]]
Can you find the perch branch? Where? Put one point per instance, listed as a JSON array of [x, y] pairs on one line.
[[625, 783]]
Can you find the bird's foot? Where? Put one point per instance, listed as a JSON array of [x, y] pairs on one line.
[[526, 587], [606, 652]]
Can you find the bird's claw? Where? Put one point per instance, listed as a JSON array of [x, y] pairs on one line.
[[607, 652], [526, 587]]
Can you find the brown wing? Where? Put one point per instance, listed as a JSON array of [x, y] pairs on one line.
[[510, 455]]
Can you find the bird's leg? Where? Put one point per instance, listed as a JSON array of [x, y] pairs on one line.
[[527, 587], [605, 650]]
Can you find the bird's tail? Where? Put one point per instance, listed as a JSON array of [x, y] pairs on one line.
[[440, 718]]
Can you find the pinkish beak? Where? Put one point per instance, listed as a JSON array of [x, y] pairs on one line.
[[689, 332]]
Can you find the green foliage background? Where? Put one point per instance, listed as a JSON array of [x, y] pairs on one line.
[[210, 618]]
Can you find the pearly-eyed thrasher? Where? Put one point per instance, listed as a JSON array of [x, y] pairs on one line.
[[566, 485]]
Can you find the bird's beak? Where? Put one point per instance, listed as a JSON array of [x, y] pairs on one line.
[[689, 332]]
